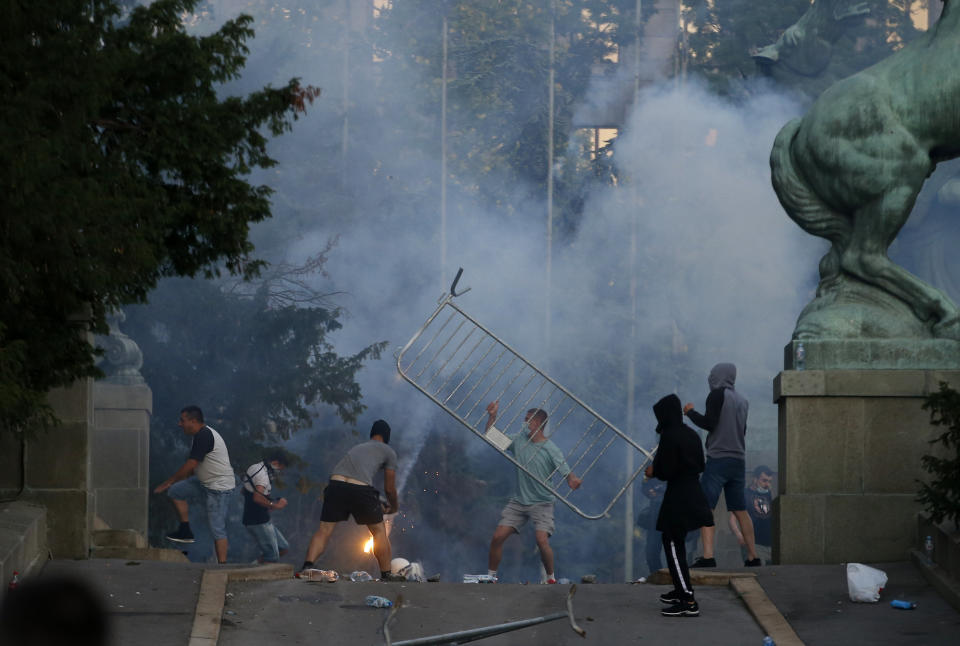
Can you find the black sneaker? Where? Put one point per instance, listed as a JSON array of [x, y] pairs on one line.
[[182, 535], [671, 598], [753, 563], [682, 609], [702, 562], [392, 577]]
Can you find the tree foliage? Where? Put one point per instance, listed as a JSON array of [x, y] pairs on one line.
[[498, 70], [941, 496], [120, 163], [722, 35], [259, 362]]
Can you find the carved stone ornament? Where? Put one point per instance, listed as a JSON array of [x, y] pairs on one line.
[[122, 358]]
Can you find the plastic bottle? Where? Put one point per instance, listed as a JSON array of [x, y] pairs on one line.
[[379, 602], [906, 605], [330, 576], [14, 581], [928, 549], [358, 576], [801, 361], [768, 641]]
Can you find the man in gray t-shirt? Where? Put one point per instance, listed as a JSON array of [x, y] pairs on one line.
[[350, 492]]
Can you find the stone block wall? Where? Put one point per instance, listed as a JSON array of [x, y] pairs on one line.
[[850, 443], [119, 455]]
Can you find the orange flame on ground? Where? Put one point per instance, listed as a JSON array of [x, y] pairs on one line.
[[368, 546]]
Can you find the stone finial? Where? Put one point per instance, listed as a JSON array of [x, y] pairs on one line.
[[122, 358]]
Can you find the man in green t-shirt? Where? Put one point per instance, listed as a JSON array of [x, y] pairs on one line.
[[531, 500]]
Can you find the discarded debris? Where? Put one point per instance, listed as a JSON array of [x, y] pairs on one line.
[[323, 576], [479, 578], [378, 602], [474, 634], [588, 578]]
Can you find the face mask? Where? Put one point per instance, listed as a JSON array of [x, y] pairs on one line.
[[762, 490]]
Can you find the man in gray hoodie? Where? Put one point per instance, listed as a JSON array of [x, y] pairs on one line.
[[725, 420]]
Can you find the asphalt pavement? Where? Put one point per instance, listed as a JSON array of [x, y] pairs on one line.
[[153, 603]]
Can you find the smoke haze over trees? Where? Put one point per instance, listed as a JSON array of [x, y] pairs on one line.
[[719, 272]]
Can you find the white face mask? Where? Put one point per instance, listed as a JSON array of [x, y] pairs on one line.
[[762, 490]]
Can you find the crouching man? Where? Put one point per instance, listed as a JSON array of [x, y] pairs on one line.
[[350, 492]]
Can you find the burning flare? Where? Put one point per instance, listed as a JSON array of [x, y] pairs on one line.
[[368, 546]]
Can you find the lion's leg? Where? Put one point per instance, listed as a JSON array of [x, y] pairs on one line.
[[829, 267], [875, 227]]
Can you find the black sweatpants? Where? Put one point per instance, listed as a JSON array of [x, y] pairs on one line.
[[675, 551]]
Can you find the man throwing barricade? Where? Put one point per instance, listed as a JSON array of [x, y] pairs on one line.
[[351, 493], [531, 500]]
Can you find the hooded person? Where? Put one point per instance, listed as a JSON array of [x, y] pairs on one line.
[[725, 420], [679, 462]]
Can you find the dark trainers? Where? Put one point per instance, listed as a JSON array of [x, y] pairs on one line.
[[682, 609], [702, 562], [182, 535], [671, 598], [392, 577], [753, 563]]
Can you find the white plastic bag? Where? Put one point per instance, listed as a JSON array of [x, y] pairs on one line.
[[864, 583]]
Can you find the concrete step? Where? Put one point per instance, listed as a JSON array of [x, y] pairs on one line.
[[23, 538], [139, 554], [117, 538]]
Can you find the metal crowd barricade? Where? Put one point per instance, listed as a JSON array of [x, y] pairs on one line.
[[461, 366]]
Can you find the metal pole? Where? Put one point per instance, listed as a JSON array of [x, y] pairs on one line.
[[474, 634], [345, 135], [443, 157], [628, 520], [546, 328]]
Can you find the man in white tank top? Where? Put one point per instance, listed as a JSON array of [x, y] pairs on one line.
[[206, 478]]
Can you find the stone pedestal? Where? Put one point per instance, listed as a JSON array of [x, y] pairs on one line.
[[57, 471], [91, 472], [850, 443], [119, 455]]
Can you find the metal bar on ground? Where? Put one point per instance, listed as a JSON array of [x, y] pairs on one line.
[[474, 634]]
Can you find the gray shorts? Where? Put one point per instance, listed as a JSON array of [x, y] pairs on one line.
[[516, 515]]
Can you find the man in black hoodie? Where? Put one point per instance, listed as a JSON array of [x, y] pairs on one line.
[[679, 461]]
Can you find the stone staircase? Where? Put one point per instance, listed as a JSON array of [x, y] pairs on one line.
[[23, 538], [129, 544]]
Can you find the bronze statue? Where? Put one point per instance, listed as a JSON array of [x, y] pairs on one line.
[[805, 47], [850, 171]]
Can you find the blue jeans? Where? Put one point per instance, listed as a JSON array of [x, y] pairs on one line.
[[270, 541], [217, 503], [727, 475]]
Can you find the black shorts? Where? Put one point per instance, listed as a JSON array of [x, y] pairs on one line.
[[343, 499]]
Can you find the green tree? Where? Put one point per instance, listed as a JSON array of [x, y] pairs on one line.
[[120, 163], [941, 496], [498, 65], [722, 35], [256, 357]]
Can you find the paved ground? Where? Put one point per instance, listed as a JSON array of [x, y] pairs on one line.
[[154, 604], [294, 612]]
